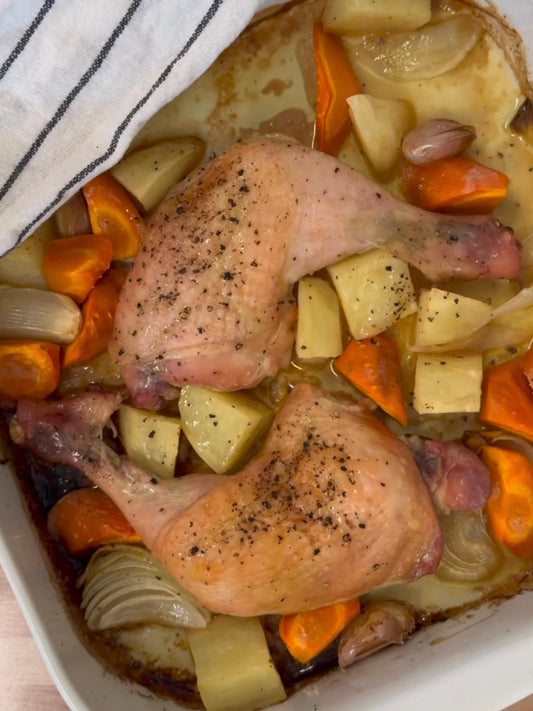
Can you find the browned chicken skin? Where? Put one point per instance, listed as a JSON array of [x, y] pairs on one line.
[[209, 298], [333, 506]]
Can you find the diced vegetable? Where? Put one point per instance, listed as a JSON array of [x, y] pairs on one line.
[[435, 139], [507, 400], [457, 184], [318, 333], [221, 427], [353, 155], [364, 16], [380, 125], [336, 82], [113, 213], [511, 322], [375, 290], [23, 266], [510, 506], [38, 315], [28, 369], [73, 265], [373, 366], [87, 518], [444, 317], [306, 634], [422, 54], [448, 383], [98, 315], [234, 670], [150, 439], [527, 366], [493, 292], [149, 173], [124, 585]]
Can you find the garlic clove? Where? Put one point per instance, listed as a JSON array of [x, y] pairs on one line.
[[382, 623], [435, 139]]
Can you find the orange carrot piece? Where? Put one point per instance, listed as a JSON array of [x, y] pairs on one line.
[[87, 518], [527, 366], [98, 313], [112, 212], [336, 82], [28, 368], [73, 265], [507, 399], [306, 634], [510, 506], [373, 366], [457, 184]]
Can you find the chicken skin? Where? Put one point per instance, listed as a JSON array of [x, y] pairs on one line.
[[209, 299], [331, 507]]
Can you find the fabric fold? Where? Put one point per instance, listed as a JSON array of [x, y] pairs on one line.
[[78, 80]]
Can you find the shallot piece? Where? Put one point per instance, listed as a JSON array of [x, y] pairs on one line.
[[435, 139], [382, 623]]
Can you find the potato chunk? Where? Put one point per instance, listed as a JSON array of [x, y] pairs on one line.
[[375, 291], [380, 125], [448, 383], [318, 334], [445, 317], [150, 439], [221, 427], [234, 669], [362, 16], [23, 266], [149, 173]]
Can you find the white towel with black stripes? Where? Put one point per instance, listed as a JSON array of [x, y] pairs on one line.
[[79, 78]]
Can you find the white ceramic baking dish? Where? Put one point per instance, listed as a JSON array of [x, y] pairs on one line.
[[481, 661]]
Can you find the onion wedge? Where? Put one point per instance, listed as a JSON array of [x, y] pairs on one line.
[[428, 52], [38, 315], [123, 585]]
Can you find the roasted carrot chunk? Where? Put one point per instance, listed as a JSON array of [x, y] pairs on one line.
[[113, 213], [306, 634], [507, 399], [373, 366], [73, 265], [510, 506], [457, 184], [527, 366], [336, 82], [98, 313], [28, 369], [85, 519]]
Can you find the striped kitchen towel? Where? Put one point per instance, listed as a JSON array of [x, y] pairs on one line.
[[79, 78]]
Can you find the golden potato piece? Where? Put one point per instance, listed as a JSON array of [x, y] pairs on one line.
[[149, 173]]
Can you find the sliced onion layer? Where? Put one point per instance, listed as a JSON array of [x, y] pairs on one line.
[[470, 554], [428, 52], [38, 315], [125, 585]]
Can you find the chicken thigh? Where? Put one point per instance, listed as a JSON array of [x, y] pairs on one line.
[[332, 506], [209, 299]]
